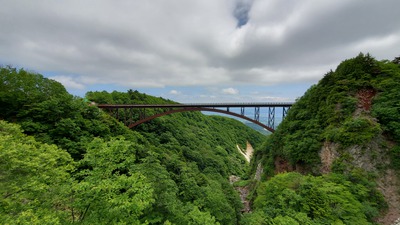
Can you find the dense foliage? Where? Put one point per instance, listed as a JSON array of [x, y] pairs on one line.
[[19, 88], [69, 162], [33, 179], [292, 198], [353, 113], [349, 106], [80, 165]]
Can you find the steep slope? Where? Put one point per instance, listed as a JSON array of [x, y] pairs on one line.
[[172, 170], [347, 124]]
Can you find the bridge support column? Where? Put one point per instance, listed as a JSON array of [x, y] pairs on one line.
[[125, 119], [257, 114], [117, 114], [271, 117], [142, 113], [285, 111]]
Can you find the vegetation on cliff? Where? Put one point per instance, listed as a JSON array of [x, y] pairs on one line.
[[347, 127]]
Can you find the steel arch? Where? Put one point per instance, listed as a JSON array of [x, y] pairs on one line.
[[188, 109]]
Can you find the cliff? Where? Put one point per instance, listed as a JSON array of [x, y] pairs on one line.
[[348, 125]]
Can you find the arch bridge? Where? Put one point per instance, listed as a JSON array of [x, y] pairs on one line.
[[133, 115]]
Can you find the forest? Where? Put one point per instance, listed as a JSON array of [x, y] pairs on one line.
[[65, 161]]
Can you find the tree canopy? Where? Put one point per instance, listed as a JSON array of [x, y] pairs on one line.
[[173, 170], [65, 161]]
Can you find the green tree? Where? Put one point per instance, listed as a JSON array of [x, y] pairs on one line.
[[160, 172], [109, 189], [196, 217], [19, 88], [34, 179], [311, 200]]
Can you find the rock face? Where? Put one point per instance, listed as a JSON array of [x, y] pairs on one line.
[[247, 153], [397, 222], [259, 172], [282, 165], [370, 157], [365, 97], [243, 193], [233, 179], [328, 154], [388, 184]]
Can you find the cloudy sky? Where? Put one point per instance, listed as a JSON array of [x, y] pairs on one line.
[[195, 50]]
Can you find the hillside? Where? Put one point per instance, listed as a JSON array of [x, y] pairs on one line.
[[64, 161], [340, 145], [335, 159]]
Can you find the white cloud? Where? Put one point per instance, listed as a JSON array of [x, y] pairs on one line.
[[68, 82], [175, 92], [187, 43], [230, 91]]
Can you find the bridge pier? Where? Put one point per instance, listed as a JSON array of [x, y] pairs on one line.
[[242, 111], [271, 117], [257, 113]]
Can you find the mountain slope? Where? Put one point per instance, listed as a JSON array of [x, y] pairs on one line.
[[347, 124], [172, 170]]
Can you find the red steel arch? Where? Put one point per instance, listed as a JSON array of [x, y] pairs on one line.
[[187, 109]]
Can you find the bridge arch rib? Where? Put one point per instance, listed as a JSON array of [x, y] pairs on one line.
[[200, 109], [125, 112]]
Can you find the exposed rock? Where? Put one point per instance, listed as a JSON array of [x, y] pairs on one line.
[[389, 185], [370, 157], [244, 192], [233, 179], [364, 98], [259, 172], [397, 222], [248, 153], [328, 154], [282, 165]]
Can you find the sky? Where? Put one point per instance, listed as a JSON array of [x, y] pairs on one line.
[[195, 50]]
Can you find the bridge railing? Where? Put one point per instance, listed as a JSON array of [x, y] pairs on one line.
[[182, 105]]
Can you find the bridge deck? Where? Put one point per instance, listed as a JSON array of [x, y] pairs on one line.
[[200, 105]]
